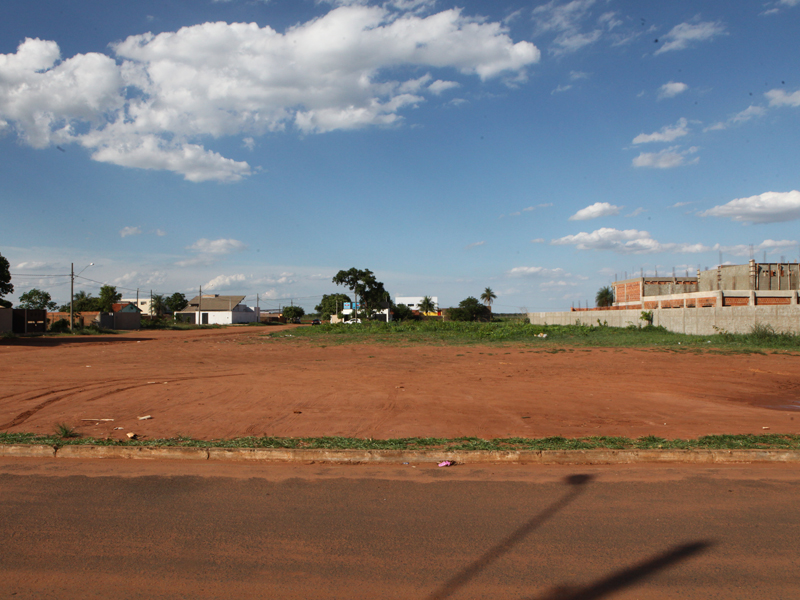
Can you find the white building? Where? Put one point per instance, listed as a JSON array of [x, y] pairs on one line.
[[413, 302], [218, 310], [143, 304]]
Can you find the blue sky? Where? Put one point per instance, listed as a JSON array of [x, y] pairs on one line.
[[254, 147]]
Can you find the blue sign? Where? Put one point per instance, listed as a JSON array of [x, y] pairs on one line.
[[351, 305]]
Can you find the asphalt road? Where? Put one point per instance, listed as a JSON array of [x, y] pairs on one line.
[[138, 529]]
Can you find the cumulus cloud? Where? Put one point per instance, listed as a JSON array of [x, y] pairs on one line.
[[224, 281], [628, 241], [666, 159], [672, 89], [208, 251], [593, 211], [686, 34], [743, 116], [769, 207], [161, 96], [126, 231], [668, 133], [536, 272], [781, 98]]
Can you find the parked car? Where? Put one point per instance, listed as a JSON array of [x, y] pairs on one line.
[[351, 321], [316, 322]]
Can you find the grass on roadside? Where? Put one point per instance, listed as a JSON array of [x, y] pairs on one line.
[[709, 442], [762, 337]]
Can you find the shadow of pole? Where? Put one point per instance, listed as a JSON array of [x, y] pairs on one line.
[[461, 579], [629, 576]]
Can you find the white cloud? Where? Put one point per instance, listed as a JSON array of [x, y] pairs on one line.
[[636, 212], [249, 143], [769, 207], [31, 265], [672, 89], [536, 271], [538, 241], [208, 251], [561, 88], [566, 20], [439, 86], [474, 245], [748, 113], [221, 282], [217, 247], [160, 232], [628, 241], [593, 211], [161, 96], [576, 75], [667, 134], [680, 204], [781, 98], [666, 159], [683, 35], [126, 231]]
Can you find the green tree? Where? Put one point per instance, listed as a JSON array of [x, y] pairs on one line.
[[6, 287], [470, 309], [83, 302], [427, 305], [487, 297], [176, 302], [36, 299], [401, 312], [158, 305], [293, 312], [604, 297], [108, 296], [368, 291], [331, 304]]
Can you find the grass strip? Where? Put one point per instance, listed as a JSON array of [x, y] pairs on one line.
[[547, 338], [772, 441]]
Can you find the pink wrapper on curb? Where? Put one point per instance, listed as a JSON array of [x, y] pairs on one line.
[[445, 463]]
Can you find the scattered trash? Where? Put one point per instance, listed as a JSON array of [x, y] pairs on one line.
[[446, 463], [144, 418], [298, 412], [526, 417], [131, 435], [151, 382], [87, 366], [765, 428], [97, 419], [115, 428], [542, 335], [405, 463]]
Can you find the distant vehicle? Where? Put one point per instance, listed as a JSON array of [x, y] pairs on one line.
[[316, 322], [296, 320], [351, 321]]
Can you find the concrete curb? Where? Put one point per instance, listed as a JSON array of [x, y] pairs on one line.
[[540, 457]]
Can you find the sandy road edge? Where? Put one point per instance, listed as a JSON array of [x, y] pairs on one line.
[[542, 457]]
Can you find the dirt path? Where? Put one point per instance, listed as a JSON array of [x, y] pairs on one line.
[[234, 382]]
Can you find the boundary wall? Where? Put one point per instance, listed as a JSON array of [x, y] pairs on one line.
[[696, 320]]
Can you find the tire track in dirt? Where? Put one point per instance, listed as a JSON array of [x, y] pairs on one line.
[[105, 386]]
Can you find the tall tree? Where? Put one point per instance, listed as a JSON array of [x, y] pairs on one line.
[[604, 297], [427, 305], [331, 304], [36, 299], [108, 296], [487, 297], [177, 302], [83, 302], [6, 287], [368, 291], [470, 309], [158, 305]]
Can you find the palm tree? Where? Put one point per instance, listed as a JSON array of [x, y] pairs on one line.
[[488, 296], [604, 297], [427, 305]]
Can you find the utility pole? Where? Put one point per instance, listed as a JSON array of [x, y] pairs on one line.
[[71, 292], [200, 306]]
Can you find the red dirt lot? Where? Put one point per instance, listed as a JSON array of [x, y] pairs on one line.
[[235, 382]]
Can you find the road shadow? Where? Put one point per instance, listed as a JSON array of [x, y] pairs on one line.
[[600, 588], [576, 485], [628, 576]]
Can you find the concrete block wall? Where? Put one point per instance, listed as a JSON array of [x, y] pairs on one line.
[[694, 321]]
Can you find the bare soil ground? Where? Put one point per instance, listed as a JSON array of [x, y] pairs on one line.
[[235, 382]]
